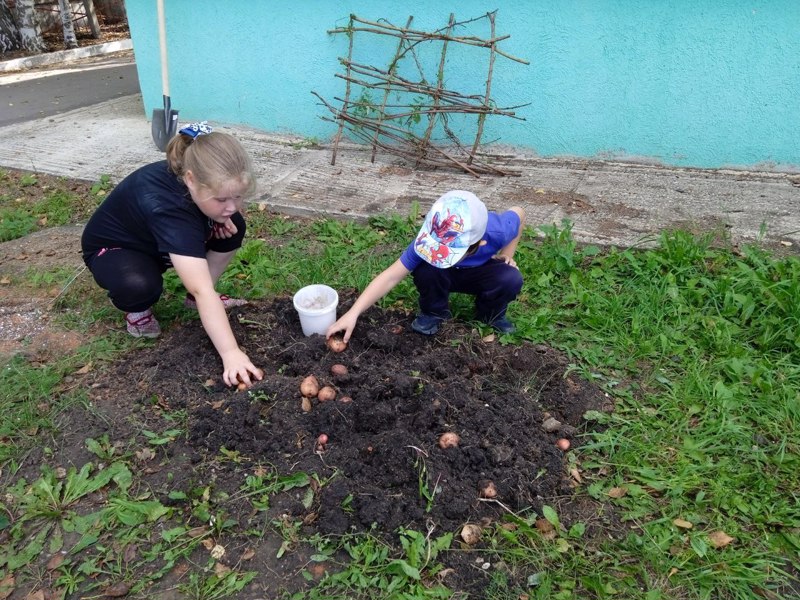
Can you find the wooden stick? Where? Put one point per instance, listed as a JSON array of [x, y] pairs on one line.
[[487, 98], [437, 93], [392, 68], [346, 98]]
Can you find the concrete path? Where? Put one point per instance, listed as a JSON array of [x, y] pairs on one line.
[[609, 203]]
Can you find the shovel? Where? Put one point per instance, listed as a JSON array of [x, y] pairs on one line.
[[165, 120]]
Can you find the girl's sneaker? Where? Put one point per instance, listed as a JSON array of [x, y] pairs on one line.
[[143, 324], [227, 302]]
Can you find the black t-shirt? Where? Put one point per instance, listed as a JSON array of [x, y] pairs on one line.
[[150, 211]]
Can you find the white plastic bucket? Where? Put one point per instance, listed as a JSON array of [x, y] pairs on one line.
[[316, 304]]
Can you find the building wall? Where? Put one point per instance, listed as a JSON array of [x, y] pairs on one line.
[[699, 83]]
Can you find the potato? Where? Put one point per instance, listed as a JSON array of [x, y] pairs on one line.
[[309, 387], [241, 387], [345, 399], [338, 370], [322, 439], [327, 393], [487, 489], [336, 344], [449, 439], [563, 444], [471, 533]]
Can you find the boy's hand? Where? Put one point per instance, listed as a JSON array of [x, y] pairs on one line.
[[346, 323], [507, 259]]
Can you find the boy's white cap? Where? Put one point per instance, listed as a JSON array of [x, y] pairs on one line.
[[455, 222]]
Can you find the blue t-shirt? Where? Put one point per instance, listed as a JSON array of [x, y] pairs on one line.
[[500, 230], [151, 211]]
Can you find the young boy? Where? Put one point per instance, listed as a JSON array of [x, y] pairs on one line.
[[461, 247]]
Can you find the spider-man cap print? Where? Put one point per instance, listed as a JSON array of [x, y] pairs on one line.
[[455, 222]]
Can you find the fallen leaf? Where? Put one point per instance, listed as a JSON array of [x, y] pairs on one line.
[[145, 454], [546, 528], [84, 369], [317, 570], [248, 554], [208, 544], [719, 539], [5, 281], [261, 471], [216, 405], [55, 561], [130, 553], [785, 243], [540, 191], [37, 595], [617, 492], [117, 590], [576, 475], [489, 338], [197, 532], [7, 586], [444, 573], [682, 523], [221, 570]]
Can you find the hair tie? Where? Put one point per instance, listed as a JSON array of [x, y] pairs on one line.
[[195, 129]]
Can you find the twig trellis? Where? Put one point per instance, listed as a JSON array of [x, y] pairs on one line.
[[390, 127]]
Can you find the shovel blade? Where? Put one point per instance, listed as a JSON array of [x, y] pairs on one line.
[[164, 126]]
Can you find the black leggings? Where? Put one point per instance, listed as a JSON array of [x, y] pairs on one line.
[[134, 280]]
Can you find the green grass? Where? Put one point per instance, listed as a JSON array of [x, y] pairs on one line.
[[31, 202], [698, 345]]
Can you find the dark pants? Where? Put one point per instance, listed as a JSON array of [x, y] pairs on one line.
[[493, 284], [133, 279]]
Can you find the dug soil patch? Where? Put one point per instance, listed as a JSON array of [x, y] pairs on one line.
[[382, 466]]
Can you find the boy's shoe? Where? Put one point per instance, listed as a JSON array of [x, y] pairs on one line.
[[143, 324], [426, 324], [503, 325], [227, 301]]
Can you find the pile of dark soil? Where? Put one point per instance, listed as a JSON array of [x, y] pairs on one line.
[[382, 462]]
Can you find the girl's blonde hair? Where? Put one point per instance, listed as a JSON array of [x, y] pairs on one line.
[[214, 159]]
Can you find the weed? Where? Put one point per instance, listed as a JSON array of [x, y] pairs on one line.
[[210, 586], [423, 483], [374, 572]]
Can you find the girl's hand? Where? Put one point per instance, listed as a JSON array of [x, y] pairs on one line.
[[238, 368], [225, 230]]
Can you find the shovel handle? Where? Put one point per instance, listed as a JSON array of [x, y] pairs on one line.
[[162, 42]]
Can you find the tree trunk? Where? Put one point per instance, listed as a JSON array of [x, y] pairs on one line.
[[70, 41], [9, 35], [30, 35], [111, 11]]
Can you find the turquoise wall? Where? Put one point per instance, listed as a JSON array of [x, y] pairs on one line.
[[699, 83]]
